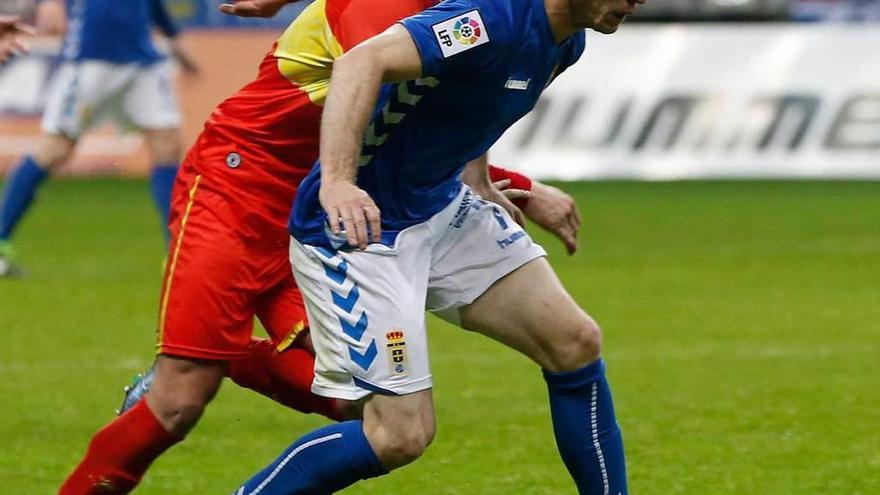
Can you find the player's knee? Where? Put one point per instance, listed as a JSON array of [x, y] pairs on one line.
[[180, 416], [583, 345], [165, 145], [181, 390], [53, 151], [401, 437], [404, 445]]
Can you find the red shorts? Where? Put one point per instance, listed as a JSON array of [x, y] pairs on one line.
[[221, 272]]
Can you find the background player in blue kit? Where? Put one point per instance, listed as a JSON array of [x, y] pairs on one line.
[[111, 69], [383, 229]]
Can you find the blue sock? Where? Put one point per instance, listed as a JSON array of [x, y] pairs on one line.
[[587, 433], [161, 183], [21, 186], [322, 462]]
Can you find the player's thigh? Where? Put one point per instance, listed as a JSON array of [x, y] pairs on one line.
[[489, 276], [151, 101], [80, 94], [366, 316], [209, 292], [530, 311]]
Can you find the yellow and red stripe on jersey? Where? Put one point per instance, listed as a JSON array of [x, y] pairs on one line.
[[328, 28]]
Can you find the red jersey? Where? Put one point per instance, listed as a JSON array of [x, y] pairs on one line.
[[264, 139]]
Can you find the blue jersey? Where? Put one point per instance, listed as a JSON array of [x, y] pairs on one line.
[[115, 31], [484, 66]]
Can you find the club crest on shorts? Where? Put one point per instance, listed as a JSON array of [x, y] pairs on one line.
[[396, 348]]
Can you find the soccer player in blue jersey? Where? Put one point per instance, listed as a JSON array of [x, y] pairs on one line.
[[110, 69], [384, 228]]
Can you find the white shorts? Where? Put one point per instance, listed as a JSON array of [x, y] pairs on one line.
[[132, 96], [366, 309]]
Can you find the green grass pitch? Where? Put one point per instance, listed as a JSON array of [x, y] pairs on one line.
[[742, 334]]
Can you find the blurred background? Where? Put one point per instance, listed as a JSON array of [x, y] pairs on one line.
[[740, 317], [740, 303], [688, 89]]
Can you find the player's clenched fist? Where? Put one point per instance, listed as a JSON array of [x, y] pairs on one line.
[[351, 210], [254, 8], [11, 32]]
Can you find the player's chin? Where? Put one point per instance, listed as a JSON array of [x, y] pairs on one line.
[[609, 23]]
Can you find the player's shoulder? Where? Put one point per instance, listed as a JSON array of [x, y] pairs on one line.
[[353, 21], [572, 48]]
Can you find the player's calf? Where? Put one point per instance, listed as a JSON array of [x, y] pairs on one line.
[[285, 377]]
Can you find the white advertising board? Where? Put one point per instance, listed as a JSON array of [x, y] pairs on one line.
[[706, 101]]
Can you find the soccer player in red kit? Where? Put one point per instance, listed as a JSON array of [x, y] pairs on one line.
[[228, 259]]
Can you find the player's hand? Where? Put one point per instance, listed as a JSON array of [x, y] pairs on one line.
[[510, 193], [183, 57], [352, 211], [496, 193], [11, 33], [253, 8], [556, 212]]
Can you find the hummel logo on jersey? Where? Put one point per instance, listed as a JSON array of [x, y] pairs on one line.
[[461, 33], [519, 84]]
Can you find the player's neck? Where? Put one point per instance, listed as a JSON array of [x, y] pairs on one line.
[[559, 14]]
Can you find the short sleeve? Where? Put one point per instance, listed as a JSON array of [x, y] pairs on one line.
[[458, 36]]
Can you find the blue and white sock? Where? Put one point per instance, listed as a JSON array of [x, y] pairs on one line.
[[586, 429], [162, 180], [18, 194], [322, 462]]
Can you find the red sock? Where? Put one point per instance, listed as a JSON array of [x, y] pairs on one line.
[[285, 377], [119, 454]]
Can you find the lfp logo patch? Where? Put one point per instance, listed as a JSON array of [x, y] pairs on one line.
[[467, 31], [461, 33]]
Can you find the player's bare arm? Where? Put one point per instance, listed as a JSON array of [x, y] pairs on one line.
[[12, 32], [183, 57], [354, 89], [51, 18], [476, 176], [254, 8]]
